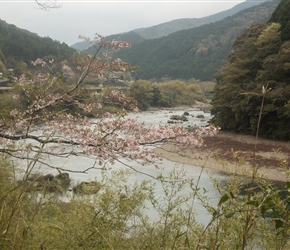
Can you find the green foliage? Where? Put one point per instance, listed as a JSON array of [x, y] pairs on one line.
[[166, 94], [142, 91], [19, 69], [2, 62], [116, 216], [250, 215], [2, 58], [260, 59], [207, 88], [281, 15], [270, 33], [2, 67], [7, 104], [178, 93]]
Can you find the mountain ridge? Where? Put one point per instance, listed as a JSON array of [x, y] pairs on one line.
[[20, 45], [188, 23], [164, 29], [194, 53]]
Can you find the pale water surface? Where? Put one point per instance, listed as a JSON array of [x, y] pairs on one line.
[[165, 167]]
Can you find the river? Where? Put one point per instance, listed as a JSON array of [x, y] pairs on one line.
[[196, 117]]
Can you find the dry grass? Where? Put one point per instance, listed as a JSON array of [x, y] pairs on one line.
[[268, 154], [234, 153]]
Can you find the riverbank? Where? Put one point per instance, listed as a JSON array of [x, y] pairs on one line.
[[234, 154]]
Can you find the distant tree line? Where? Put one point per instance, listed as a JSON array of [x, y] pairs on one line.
[[170, 93]]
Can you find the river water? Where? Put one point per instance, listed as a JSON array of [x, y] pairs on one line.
[[196, 118]]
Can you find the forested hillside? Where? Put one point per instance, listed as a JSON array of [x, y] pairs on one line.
[[237, 8], [164, 29], [167, 28], [18, 45], [199, 52], [257, 76]]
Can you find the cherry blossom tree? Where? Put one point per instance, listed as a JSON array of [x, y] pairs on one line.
[[65, 123]]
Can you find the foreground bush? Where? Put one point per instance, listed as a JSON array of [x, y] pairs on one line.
[[116, 217], [119, 215]]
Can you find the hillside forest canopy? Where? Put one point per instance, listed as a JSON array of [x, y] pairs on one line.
[[258, 68], [193, 53]]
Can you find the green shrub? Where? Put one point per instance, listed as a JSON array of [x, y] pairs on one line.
[[117, 215]]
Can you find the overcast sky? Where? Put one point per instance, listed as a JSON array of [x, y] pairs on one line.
[[89, 17]]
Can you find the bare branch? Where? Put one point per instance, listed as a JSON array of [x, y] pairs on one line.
[[47, 4]]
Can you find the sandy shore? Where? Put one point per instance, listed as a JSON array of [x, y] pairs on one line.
[[235, 154]]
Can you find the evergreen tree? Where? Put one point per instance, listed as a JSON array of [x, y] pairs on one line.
[[258, 67]]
